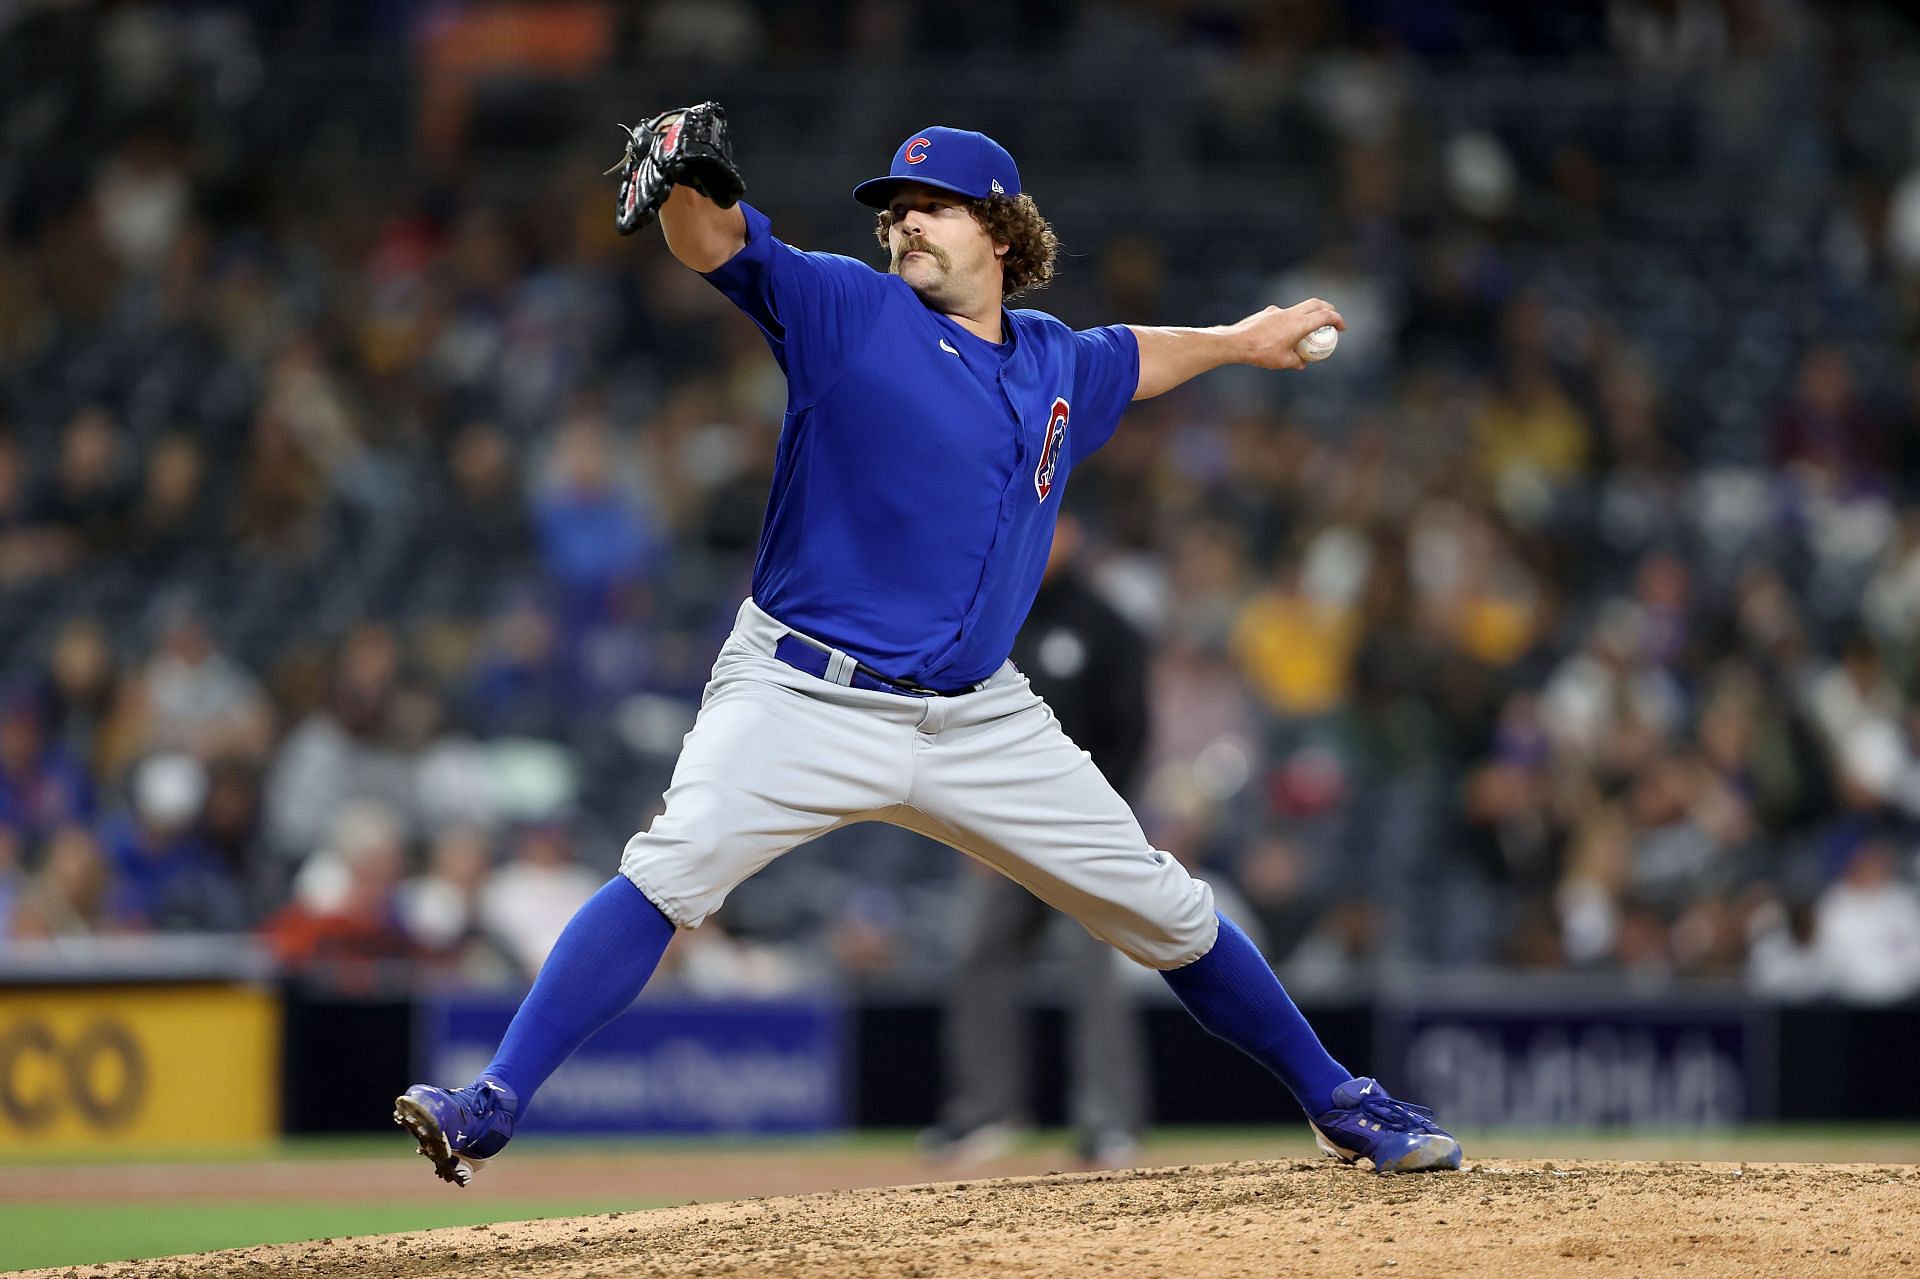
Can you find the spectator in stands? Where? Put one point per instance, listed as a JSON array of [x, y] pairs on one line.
[[1824, 439], [1892, 605], [1511, 801], [1688, 830], [1296, 641], [176, 518], [1770, 628], [1663, 593], [1782, 960], [1642, 470], [1207, 580], [230, 822], [1473, 596], [344, 752], [520, 685], [82, 692], [1400, 660], [441, 908], [1853, 692], [1604, 706], [1862, 717], [595, 540], [71, 894], [190, 696], [1530, 440], [483, 534], [530, 899], [1867, 927], [345, 906], [29, 549], [41, 785], [141, 197], [167, 878], [1733, 741], [1196, 703], [301, 432], [89, 498]]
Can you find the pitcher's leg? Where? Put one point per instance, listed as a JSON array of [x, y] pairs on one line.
[[766, 767], [1001, 781], [604, 957], [1231, 990], [1013, 790], [764, 770]]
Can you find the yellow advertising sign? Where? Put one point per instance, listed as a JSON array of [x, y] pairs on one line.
[[120, 1067]]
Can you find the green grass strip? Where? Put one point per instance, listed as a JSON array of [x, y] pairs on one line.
[[34, 1235]]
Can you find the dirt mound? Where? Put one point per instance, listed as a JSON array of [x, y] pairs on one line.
[[1282, 1218]]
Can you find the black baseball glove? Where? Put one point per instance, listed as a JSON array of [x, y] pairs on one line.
[[688, 146]]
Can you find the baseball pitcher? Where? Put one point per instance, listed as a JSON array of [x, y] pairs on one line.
[[930, 432]]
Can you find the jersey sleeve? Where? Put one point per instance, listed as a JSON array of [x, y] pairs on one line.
[[813, 308], [1106, 373]]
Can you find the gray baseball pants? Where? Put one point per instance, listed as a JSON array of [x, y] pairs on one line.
[[777, 757]]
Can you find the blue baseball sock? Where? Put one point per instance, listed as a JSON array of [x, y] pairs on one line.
[[1231, 990], [606, 954]]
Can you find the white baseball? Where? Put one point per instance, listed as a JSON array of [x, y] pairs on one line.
[[1319, 344]]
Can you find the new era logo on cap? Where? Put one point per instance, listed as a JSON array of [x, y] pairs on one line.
[[957, 160]]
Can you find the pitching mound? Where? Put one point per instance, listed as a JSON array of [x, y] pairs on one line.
[[1286, 1218]]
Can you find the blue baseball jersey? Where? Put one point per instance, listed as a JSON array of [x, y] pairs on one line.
[[920, 468]]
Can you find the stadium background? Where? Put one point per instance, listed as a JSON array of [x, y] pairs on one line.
[[1538, 675]]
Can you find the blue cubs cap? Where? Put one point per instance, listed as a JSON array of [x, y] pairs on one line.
[[957, 160]]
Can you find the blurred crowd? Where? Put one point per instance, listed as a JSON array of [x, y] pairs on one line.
[[370, 512]]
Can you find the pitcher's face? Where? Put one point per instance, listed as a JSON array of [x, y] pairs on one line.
[[940, 249]]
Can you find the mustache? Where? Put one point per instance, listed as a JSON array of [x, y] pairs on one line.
[[914, 243]]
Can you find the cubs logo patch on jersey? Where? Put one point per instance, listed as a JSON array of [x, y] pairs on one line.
[[1051, 448]]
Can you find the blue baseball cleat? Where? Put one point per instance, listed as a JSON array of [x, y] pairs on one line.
[[458, 1129], [1369, 1128]]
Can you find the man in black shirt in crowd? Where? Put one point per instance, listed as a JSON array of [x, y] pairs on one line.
[[1090, 665]]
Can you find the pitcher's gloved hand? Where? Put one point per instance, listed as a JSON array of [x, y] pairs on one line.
[[687, 146]]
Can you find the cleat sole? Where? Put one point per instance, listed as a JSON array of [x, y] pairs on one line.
[[452, 1168]]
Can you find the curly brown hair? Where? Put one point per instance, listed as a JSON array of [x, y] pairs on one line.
[[1012, 220]]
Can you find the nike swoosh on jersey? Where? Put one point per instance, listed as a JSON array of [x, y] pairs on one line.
[[948, 347]]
